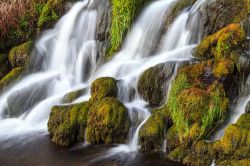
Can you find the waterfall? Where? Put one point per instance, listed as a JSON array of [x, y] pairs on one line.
[[69, 56]]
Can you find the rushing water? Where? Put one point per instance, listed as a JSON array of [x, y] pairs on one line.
[[69, 62]]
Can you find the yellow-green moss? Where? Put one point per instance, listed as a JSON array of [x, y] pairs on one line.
[[223, 67], [221, 43], [12, 76], [108, 122], [67, 124], [19, 56], [152, 133], [49, 13], [71, 96], [103, 87], [123, 14]]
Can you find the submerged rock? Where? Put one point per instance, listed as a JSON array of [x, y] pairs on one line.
[[108, 122], [103, 87], [19, 56], [153, 83], [67, 124]]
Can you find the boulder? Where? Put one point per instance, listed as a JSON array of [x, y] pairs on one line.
[[67, 123], [108, 122]]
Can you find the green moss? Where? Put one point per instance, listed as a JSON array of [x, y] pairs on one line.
[[223, 67], [177, 154], [103, 87], [123, 14], [67, 124], [71, 96], [49, 13], [12, 76], [221, 43], [108, 122], [19, 56], [152, 133]]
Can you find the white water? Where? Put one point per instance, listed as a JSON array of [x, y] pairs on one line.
[[71, 45]]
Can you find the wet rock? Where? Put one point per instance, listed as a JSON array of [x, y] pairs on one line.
[[220, 13], [71, 96], [247, 109], [103, 87], [153, 83], [152, 133], [108, 122], [67, 123]]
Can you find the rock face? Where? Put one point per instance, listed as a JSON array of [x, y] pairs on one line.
[[108, 122], [153, 83], [220, 13]]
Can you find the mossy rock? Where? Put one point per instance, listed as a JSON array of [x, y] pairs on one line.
[[12, 76], [152, 85], [220, 13], [152, 132], [197, 101], [67, 123], [50, 13], [103, 87], [4, 65], [19, 56], [123, 15], [71, 96], [221, 44], [233, 162], [108, 122]]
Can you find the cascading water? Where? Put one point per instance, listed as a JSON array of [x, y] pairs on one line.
[[66, 48], [70, 62]]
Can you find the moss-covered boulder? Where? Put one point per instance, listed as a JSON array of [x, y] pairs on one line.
[[103, 87], [67, 124], [222, 43], [12, 76], [152, 85], [4, 65], [108, 122], [19, 56], [152, 133], [71, 96], [232, 148], [220, 13]]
